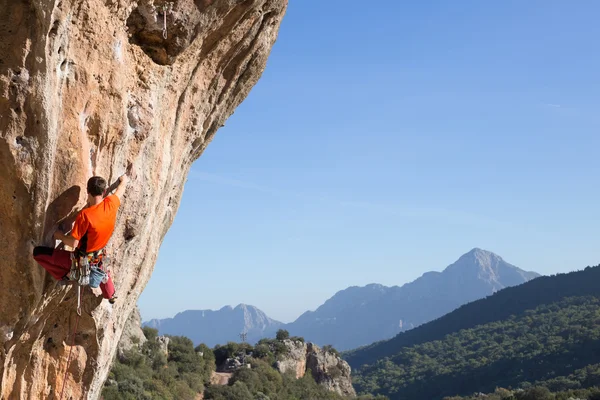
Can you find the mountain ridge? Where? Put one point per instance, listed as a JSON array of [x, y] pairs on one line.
[[490, 337], [360, 315], [375, 312], [199, 325]]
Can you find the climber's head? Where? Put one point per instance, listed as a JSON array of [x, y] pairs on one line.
[[96, 187]]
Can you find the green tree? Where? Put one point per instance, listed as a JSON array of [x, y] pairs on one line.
[[237, 391], [282, 334], [330, 349], [535, 393], [150, 333]]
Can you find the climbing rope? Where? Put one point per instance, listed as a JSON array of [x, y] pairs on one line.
[[72, 340]]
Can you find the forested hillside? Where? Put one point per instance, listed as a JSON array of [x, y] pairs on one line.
[[556, 345], [497, 307], [543, 334], [150, 371], [534, 393]]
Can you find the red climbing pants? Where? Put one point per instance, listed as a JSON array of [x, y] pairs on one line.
[[58, 264]]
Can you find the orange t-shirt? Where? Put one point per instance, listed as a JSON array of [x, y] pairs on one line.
[[95, 225]]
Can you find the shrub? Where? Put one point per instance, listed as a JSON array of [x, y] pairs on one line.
[[150, 333], [334, 372], [262, 351], [282, 334], [237, 391], [330, 349], [535, 393]]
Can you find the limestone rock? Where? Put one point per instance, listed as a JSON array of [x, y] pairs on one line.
[[231, 364], [163, 341], [295, 360], [220, 378], [327, 368], [87, 87], [132, 336]]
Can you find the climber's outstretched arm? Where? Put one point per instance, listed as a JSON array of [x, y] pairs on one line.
[[122, 185], [66, 239]]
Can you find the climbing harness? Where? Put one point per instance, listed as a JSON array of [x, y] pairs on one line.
[[167, 8], [89, 268]]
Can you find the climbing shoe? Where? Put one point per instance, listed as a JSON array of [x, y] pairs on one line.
[[112, 299]]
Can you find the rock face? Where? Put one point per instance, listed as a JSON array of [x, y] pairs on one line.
[[163, 341], [132, 336], [327, 368], [87, 87], [359, 316], [295, 360], [199, 325]]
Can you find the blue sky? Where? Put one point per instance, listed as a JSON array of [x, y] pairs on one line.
[[386, 140]]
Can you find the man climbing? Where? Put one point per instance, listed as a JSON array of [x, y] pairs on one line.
[[91, 232]]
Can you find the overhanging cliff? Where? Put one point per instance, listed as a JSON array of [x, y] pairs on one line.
[[86, 87]]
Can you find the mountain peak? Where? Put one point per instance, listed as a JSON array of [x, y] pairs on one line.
[[487, 266], [482, 258], [478, 252]]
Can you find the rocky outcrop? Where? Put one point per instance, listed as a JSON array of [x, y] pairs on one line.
[[295, 359], [326, 367], [87, 87], [163, 342], [220, 378], [133, 336], [233, 364], [329, 370]]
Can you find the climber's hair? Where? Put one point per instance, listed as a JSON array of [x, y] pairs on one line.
[[96, 186]]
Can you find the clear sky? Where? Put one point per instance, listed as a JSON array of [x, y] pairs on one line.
[[385, 140]]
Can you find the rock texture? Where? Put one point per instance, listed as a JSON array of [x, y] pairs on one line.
[[132, 336], [295, 360], [327, 368], [359, 316], [199, 325], [220, 378], [87, 87], [163, 341]]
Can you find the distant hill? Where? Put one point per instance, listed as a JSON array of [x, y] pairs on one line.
[[218, 327], [500, 306], [359, 316], [545, 332]]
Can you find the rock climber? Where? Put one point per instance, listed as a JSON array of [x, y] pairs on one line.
[[91, 232]]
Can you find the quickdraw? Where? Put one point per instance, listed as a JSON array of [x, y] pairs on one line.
[[167, 8], [79, 300]]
